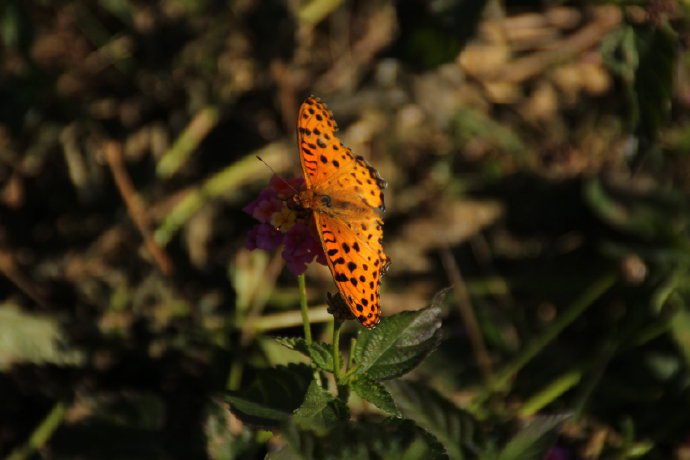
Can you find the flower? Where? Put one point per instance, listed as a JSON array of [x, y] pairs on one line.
[[264, 236], [280, 224], [301, 248], [286, 188], [557, 453], [263, 207], [283, 219]]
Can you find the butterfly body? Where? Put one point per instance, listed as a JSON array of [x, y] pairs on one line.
[[339, 207], [345, 195]]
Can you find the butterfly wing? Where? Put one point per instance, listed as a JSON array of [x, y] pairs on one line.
[[357, 262], [351, 231], [318, 144], [327, 164]]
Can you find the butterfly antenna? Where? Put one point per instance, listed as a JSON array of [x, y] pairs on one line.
[[278, 175]]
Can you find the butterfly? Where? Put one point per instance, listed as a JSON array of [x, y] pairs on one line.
[[345, 195]]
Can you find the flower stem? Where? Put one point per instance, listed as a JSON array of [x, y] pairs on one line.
[[343, 392], [304, 307], [351, 356], [336, 350]]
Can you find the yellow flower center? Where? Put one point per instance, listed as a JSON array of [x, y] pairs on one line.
[[284, 219]]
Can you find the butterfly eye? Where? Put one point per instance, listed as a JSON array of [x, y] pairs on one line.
[[326, 200]]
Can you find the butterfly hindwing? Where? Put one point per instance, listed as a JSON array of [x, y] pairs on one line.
[[357, 262]]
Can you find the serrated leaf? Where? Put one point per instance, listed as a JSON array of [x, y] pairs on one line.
[[451, 426], [394, 439], [398, 344], [376, 394], [320, 353], [533, 441], [320, 411], [273, 396]]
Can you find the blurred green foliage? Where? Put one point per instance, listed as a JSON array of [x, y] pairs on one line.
[[543, 148]]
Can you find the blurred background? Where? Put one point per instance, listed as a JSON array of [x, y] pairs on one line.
[[537, 156]]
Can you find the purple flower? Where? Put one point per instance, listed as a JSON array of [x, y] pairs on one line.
[[557, 453], [280, 224], [264, 236], [286, 188], [263, 207], [301, 247]]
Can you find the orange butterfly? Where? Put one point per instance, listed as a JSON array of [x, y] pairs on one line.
[[345, 195]]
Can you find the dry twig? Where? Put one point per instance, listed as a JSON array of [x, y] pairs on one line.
[[113, 154], [481, 355]]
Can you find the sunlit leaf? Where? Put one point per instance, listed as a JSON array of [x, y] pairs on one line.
[[31, 338], [320, 410], [320, 353], [398, 344], [375, 393]]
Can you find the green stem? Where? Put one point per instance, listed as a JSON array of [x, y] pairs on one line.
[[550, 393], [42, 433], [343, 390], [350, 372], [235, 375], [336, 350], [351, 356], [571, 313], [594, 376], [304, 307]]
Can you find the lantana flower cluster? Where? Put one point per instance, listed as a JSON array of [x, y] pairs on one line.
[[280, 224]]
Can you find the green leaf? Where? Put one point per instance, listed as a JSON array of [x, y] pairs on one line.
[[31, 338], [659, 216], [245, 273], [454, 428], [472, 124], [657, 50], [398, 344], [320, 410], [533, 441], [680, 328], [644, 55], [273, 396], [376, 394], [222, 443], [393, 439], [320, 353]]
